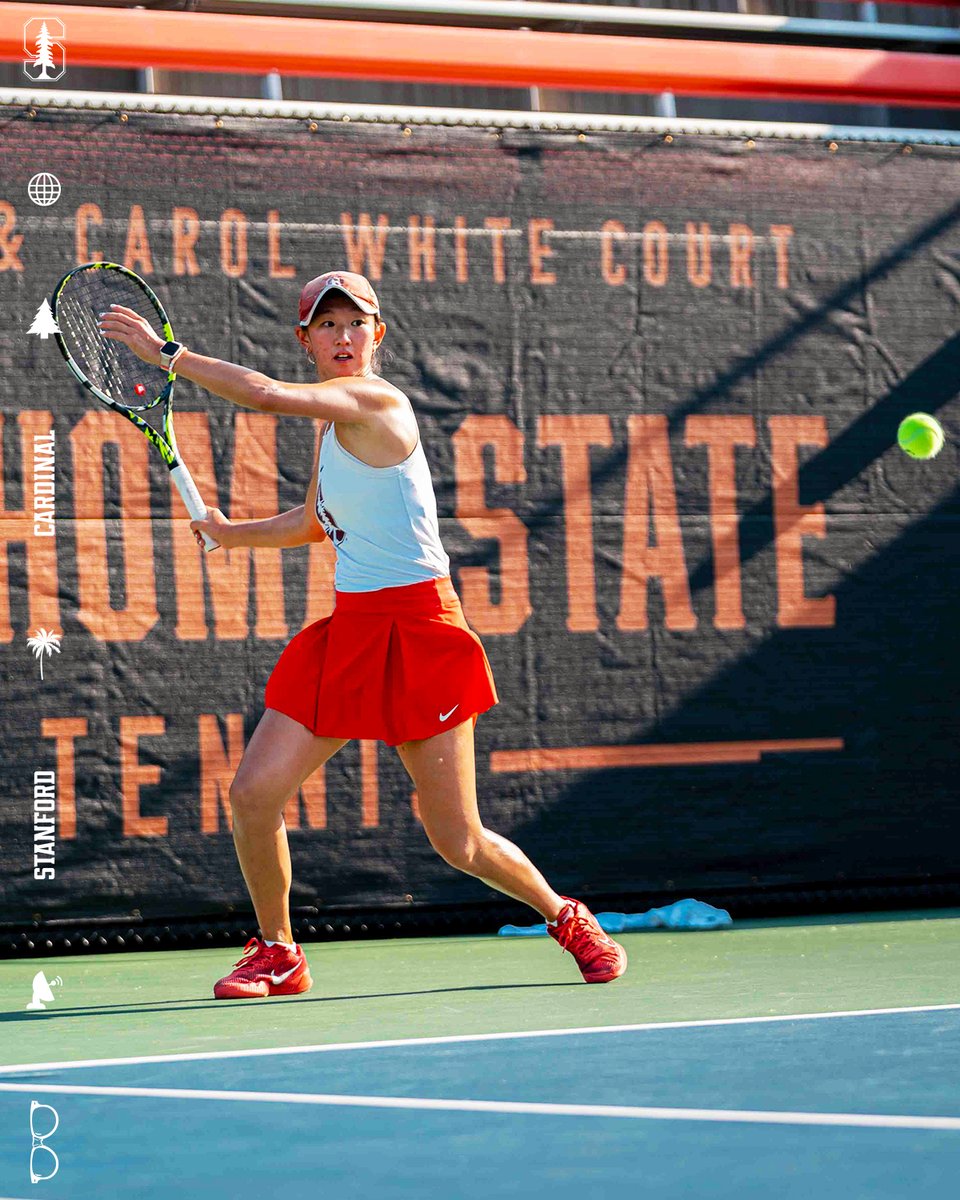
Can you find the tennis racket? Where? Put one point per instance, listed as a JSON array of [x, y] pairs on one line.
[[111, 370]]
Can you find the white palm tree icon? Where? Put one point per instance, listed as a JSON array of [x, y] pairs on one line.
[[44, 642]]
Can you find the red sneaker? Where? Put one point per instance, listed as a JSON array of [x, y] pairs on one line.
[[264, 970], [598, 956]]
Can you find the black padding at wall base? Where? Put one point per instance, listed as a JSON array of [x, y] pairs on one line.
[[54, 939]]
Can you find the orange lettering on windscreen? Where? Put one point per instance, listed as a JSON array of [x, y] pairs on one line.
[[65, 731], [644, 557], [721, 435], [492, 526], [650, 505], [118, 604], [432, 247]]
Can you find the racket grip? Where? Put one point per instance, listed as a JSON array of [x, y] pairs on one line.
[[191, 498]]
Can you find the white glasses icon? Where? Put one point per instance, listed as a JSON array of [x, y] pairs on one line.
[[41, 1128]]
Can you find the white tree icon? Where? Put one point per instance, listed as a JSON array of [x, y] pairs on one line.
[[43, 322], [44, 642], [49, 55], [44, 57]]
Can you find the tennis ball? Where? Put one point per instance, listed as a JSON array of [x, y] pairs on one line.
[[920, 435]]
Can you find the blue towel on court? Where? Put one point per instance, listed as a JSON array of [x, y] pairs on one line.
[[682, 914]]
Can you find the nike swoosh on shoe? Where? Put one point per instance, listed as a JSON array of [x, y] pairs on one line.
[[276, 980]]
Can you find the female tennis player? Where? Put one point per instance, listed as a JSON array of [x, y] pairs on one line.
[[394, 661]]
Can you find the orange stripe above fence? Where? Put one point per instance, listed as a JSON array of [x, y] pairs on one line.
[[489, 57], [677, 754]]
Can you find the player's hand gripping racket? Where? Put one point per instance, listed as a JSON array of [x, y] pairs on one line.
[[111, 370]]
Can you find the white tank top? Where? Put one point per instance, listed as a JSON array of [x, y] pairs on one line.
[[382, 521]]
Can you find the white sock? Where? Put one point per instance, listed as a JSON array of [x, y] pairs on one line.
[[568, 909], [288, 945]]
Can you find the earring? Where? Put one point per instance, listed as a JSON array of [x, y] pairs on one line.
[[311, 359]]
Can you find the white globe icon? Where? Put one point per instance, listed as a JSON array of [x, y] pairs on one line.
[[44, 189]]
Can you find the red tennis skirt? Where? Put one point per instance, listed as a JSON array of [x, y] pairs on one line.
[[395, 665]]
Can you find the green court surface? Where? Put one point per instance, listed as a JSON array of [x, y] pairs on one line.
[[814, 1056], [113, 1005]]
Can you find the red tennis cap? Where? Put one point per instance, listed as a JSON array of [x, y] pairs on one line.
[[355, 286]]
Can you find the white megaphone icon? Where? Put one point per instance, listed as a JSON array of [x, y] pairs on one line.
[[41, 991]]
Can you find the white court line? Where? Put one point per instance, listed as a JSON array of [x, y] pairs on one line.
[[464, 1037], [856, 1120]]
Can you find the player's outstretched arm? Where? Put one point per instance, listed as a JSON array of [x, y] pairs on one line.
[[291, 528], [353, 399], [350, 400]]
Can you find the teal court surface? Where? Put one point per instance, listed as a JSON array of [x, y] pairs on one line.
[[792, 1058]]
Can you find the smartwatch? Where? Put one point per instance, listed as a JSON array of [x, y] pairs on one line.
[[168, 352]]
